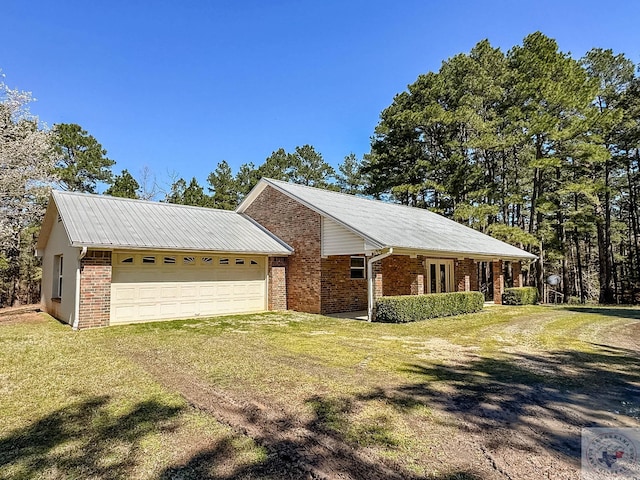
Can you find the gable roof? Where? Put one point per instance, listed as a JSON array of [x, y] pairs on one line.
[[385, 225], [100, 221]]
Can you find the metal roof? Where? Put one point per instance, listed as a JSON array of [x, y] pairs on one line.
[[386, 225], [111, 222]]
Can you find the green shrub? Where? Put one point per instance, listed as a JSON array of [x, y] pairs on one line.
[[410, 308], [520, 296]]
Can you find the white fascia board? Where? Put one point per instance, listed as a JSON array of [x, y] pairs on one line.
[[134, 248], [457, 255]]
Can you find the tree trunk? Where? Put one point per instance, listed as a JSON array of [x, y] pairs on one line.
[[579, 265]]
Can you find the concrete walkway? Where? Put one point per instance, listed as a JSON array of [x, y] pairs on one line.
[[359, 315]]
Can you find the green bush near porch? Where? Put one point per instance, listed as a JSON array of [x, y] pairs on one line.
[[411, 308], [520, 296]]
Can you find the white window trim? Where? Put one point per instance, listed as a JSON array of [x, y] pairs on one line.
[[363, 268], [58, 276], [449, 275]]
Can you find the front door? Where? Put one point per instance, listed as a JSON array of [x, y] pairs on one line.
[[439, 276]]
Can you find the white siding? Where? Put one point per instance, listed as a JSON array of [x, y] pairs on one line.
[[58, 244], [337, 240]]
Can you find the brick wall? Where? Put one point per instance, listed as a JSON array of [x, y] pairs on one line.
[[299, 226], [341, 293], [396, 275], [517, 273], [417, 275], [466, 275], [95, 290], [498, 280], [277, 283]]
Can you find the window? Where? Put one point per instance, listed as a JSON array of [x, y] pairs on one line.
[[149, 259], [188, 260], [206, 260], [57, 276], [357, 267], [169, 260], [127, 260], [239, 261], [253, 262], [224, 261]]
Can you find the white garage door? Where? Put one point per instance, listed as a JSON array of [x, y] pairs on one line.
[[168, 286]]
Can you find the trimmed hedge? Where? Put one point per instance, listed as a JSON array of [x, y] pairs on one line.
[[410, 308], [520, 296]]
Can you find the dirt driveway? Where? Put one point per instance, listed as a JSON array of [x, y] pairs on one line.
[[509, 406]]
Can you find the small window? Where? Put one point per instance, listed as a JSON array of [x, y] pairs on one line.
[[188, 260], [149, 259], [169, 260], [357, 267], [57, 278], [127, 260], [253, 262], [239, 261], [224, 261], [206, 260]]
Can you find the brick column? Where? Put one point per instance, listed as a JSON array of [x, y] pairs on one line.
[[377, 280], [498, 281], [417, 276], [277, 283], [466, 275], [517, 274], [95, 290]]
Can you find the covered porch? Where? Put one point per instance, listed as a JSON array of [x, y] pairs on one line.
[[415, 273]]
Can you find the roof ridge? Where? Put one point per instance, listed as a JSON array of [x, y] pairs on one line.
[[351, 195], [103, 196]]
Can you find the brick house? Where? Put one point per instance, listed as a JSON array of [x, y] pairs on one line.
[[110, 260], [349, 250]]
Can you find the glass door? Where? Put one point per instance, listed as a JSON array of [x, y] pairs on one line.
[[439, 276]]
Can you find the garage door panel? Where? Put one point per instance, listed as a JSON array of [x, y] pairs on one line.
[[125, 293], [149, 293], [159, 291], [169, 310], [171, 291]]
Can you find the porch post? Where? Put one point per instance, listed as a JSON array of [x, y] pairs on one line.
[[374, 284], [417, 276], [517, 273], [498, 281]]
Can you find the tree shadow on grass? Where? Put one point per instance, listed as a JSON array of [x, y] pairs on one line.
[[296, 449], [548, 397], [83, 440], [619, 312], [526, 403]]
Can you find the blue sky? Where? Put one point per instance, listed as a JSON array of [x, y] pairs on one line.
[[180, 85]]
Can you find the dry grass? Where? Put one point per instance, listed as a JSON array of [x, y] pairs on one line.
[[80, 404]]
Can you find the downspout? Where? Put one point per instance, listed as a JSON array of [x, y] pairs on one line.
[[76, 314], [370, 263]]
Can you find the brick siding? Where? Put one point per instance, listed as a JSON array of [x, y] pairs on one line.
[[517, 274], [277, 283], [298, 226], [341, 293], [396, 275], [466, 275], [498, 280], [95, 290]]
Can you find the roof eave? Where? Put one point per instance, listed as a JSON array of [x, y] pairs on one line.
[[400, 250], [165, 248]]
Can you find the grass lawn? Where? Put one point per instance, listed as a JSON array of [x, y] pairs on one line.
[[498, 394]]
